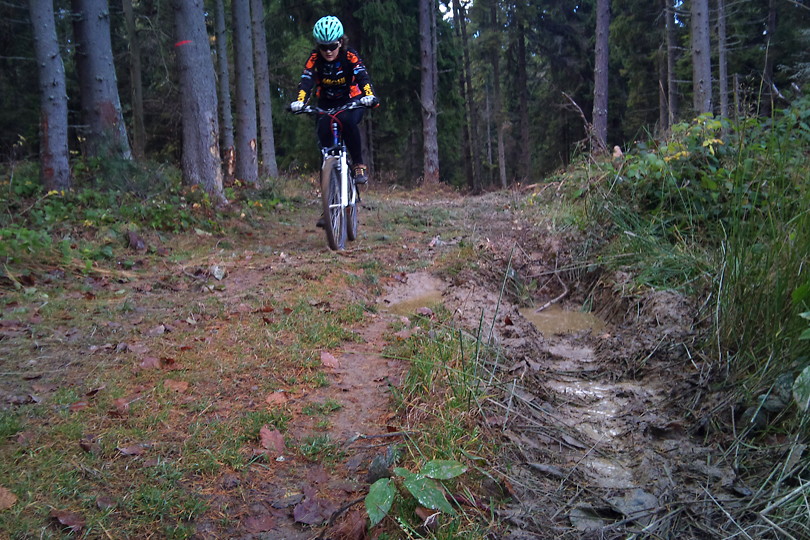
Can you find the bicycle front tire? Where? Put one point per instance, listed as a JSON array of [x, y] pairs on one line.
[[352, 222], [333, 211]]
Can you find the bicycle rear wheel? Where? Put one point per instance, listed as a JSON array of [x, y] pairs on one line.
[[333, 212]]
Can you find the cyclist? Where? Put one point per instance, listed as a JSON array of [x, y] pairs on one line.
[[337, 75]]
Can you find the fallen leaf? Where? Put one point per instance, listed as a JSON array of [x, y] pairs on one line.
[[7, 499], [78, 406], [43, 388], [170, 364], [158, 330], [404, 334], [425, 312], [121, 407], [276, 398], [177, 386], [132, 450], [104, 502], [328, 360], [88, 444], [94, 391], [313, 511], [137, 348], [258, 524], [150, 362], [71, 520], [353, 527], [272, 440]]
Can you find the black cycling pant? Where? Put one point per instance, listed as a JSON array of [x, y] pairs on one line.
[[349, 120]]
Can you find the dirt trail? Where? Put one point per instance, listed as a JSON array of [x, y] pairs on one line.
[[590, 446], [592, 440]]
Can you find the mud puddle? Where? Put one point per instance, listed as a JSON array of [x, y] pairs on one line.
[[556, 321], [413, 291]]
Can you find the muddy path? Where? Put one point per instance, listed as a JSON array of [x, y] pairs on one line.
[[583, 402]]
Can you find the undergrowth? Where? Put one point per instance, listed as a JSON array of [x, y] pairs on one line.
[[721, 210], [439, 403]]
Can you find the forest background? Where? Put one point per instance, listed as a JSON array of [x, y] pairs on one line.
[[526, 71]]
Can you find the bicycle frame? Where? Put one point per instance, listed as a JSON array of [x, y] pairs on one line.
[[339, 201]]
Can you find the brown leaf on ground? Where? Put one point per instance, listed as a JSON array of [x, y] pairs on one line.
[[137, 348], [158, 330], [150, 362], [177, 386], [132, 450], [276, 398], [328, 360], [70, 520], [43, 388], [352, 527], [318, 475], [425, 312], [94, 391], [88, 444], [170, 364], [78, 406], [259, 523], [121, 407], [104, 502], [272, 439], [313, 510], [7, 499]]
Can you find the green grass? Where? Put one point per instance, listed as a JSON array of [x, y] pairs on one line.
[[321, 448], [327, 407]]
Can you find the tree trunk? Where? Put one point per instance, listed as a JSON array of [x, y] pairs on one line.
[[247, 166], [223, 72], [53, 126], [722, 58], [465, 97], [768, 90], [672, 47], [427, 42], [600, 87], [701, 57], [136, 86], [525, 159], [198, 94], [266, 139], [663, 113], [104, 129], [497, 98], [475, 151]]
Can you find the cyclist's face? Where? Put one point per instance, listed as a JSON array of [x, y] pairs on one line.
[[330, 56]]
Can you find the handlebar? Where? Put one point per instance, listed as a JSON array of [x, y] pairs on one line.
[[308, 109]]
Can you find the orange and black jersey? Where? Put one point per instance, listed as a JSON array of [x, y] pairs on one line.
[[335, 82]]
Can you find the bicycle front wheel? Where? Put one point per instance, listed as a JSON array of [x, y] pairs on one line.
[[351, 214], [333, 210]]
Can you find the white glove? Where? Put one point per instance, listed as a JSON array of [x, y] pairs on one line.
[[296, 106], [368, 101]]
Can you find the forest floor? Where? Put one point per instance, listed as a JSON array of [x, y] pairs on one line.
[[252, 385]]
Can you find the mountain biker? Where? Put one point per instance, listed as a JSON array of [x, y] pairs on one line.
[[337, 75]]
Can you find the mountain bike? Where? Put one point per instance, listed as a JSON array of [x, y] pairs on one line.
[[339, 194]]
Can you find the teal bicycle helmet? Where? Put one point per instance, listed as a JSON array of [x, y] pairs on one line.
[[328, 29]]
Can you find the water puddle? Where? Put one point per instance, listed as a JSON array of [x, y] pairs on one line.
[[409, 307], [417, 290], [555, 321]]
